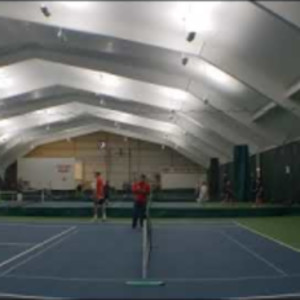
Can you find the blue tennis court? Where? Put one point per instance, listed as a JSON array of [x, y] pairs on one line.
[[96, 260]]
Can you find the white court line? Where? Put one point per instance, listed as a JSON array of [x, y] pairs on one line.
[[36, 254], [81, 279], [17, 244], [278, 296], [36, 246], [253, 253], [112, 280], [32, 224], [19, 296], [266, 236], [194, 222]]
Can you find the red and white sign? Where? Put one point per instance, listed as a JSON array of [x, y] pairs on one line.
[[54, 173], [63, 168]]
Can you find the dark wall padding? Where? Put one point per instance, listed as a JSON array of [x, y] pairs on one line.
[[281, 173], [253, 174], [214, 180], [241, 183]]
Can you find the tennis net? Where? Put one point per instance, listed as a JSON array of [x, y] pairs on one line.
[[24, 197], [147, 239]]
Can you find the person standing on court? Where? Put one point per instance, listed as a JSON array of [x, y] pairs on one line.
[[106, 191], [258, 192], [98, 195], [203, 194], [140, 190]]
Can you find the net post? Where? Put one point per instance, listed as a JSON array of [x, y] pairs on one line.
[[144, 266]]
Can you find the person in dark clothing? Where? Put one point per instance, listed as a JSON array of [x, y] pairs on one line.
[[106, 191], [228, 193], [253, 188], [259, 192], [140, 190]]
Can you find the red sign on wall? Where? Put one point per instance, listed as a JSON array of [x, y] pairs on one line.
[[63, 168]]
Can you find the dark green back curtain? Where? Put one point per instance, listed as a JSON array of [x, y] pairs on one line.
[[213, 179], [280, 170], [241, 173]]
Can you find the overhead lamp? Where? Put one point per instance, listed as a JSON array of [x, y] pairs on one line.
[[176, 94], [184, 61], [200, 16], [45, 10], [75, 4], [3, 138], [171, 117], [6, 123], [102, 145], [109, 80], [59, 33], [5, 82], [217, 74], [191, 36]]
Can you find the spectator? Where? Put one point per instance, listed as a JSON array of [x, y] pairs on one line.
[[258, 192], [228, 193], [107, 190], [203, 194]]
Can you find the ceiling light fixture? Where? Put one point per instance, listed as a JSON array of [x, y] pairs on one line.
[[191, 36], [3, 138], [60, 33], [218, 75], [102, 145], [184, 61], [199, 16], [74, 4], [110, 80], [5, 82], [176, 94], [45, 10]]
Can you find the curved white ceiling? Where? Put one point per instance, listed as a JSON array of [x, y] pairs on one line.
[[119, 64]]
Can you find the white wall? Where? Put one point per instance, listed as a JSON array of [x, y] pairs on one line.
[[181, 180], [120, 161], [55, 173]]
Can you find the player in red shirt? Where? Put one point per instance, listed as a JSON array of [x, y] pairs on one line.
[[140, 190], [98, 195]]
